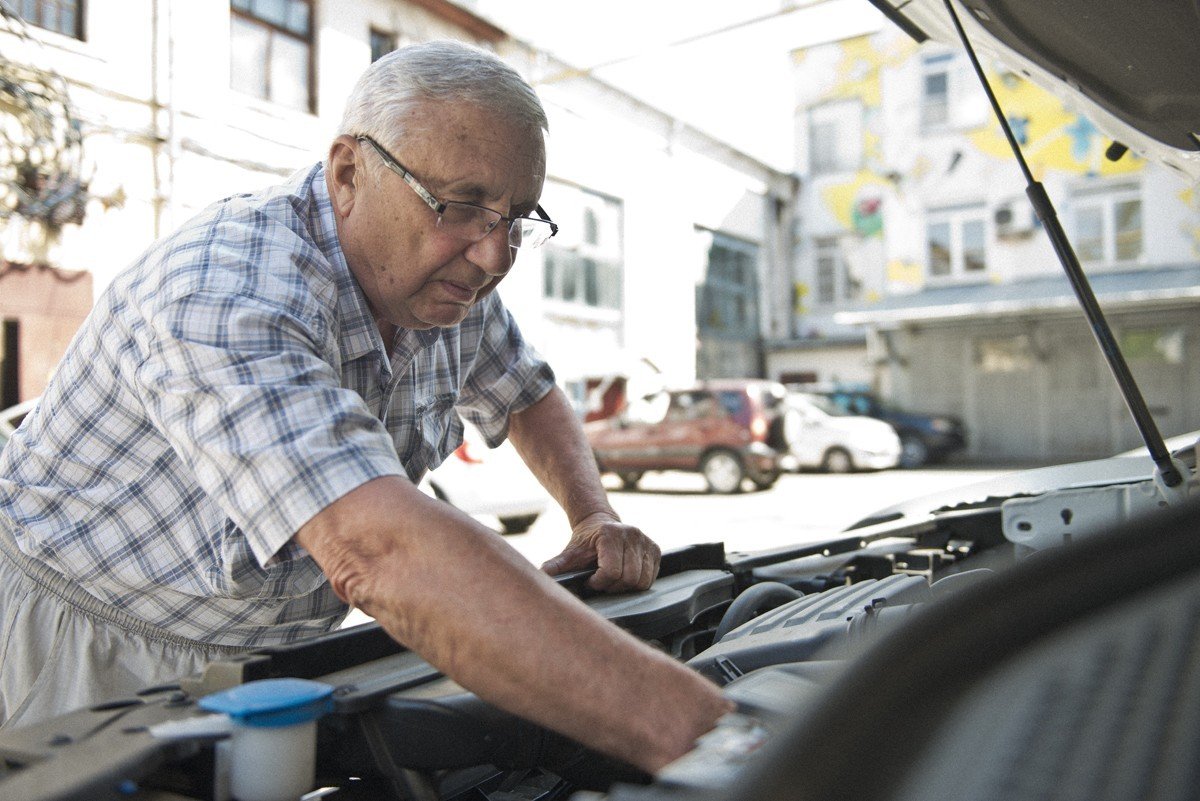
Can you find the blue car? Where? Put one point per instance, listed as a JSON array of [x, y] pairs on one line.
[[924, 438]]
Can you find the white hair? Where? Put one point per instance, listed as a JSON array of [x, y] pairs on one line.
[[436, 71]]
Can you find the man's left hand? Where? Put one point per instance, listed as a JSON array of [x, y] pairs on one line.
[[624, 557]]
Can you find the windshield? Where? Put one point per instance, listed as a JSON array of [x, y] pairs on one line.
[[823, 404]]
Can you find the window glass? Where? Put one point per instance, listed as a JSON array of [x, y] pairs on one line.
[[289, 73], [727, 300], [382, 43], [247, 54], [1128, 225], [974, 246], [733, 401], [584, 263], [1089, 234], [938, 237], [60, 16]]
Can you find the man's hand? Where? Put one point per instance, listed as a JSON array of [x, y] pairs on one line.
[[624, 557]]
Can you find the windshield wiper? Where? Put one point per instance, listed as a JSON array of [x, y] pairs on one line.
[[1167, 470]]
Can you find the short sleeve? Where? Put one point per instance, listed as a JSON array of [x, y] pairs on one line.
[[248, 396]]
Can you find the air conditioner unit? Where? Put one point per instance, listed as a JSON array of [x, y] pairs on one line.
[[1015, 219]]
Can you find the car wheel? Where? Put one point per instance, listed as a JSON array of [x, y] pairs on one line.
[[913, 451], [630, 479], [837, 461], [765, 482], [517, 524], [723, 471]]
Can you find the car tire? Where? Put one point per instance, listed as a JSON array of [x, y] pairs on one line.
[[837, 460], [723, 471], [765, 482], [913, 451], [630, 479], [517, 524]]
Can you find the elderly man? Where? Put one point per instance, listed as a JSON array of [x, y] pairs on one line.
[[228, 454]]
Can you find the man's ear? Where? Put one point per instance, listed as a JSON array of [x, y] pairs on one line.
[[345, 173]]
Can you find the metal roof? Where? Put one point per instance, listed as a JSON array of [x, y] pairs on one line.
[[1041, 294]]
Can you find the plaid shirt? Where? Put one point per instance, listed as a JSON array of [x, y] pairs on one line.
[[225, 389]]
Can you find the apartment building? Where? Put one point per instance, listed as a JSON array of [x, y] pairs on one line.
[[922, 270]]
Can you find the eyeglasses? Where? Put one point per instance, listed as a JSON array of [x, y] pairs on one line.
[[469, 221]]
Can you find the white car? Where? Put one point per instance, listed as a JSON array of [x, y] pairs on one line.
[[11, 418], [491, 484], [821, 436]]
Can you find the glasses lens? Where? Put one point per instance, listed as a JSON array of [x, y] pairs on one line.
[[529, 233], [468, 222]]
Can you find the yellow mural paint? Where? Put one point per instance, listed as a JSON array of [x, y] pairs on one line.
[[1051, 137], [905, 273], [853, 202]]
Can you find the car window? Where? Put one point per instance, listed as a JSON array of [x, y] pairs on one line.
[[828, 405], [647, 409], [735, 402], [693, 406]]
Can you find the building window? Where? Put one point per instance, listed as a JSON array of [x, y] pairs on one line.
[[727, 301], [1108, 224], [835, 137], [584, 263], [271, 51], [956, 243], [935, 90], [833, 280], [60, 16], [382, 43]]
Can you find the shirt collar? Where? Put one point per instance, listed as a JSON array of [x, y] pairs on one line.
[[358, 335]]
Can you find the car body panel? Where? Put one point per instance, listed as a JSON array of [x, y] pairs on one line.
[[493, 484], [871, 444]]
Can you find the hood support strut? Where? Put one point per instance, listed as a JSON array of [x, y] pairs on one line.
[[1167, 468]]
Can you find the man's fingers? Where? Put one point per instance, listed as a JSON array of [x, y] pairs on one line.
[[567, 561], [610, 563]]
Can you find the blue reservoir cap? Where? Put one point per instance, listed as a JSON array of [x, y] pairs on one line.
[[271, 703]]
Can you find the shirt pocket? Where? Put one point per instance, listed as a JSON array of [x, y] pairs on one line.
[[441, 429]]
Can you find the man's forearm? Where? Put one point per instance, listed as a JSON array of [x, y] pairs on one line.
[[551, 441], [472, 606]]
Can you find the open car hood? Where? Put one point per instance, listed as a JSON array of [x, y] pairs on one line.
[[1130, 67]]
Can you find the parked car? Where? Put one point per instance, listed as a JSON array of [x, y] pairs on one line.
[[729, 431], [924, 438], [492, 484], [823, 436]]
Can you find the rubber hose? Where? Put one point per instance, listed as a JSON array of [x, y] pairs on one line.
[[753, 602]]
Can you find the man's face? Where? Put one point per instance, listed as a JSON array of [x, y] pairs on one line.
[[414, 274]]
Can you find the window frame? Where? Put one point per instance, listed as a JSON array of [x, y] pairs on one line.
[[934, 64], [274, 29], [956, 219], [1106, 198], [842, 148], [79, 6], [827, 250], [589, 255], [730, 288]]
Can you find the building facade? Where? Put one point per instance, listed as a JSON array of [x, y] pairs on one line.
[[670, 242], [922, 270]]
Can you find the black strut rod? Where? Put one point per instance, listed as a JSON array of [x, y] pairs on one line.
[[1044, 209]]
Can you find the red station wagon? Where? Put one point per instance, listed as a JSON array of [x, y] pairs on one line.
[[728, 430]]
